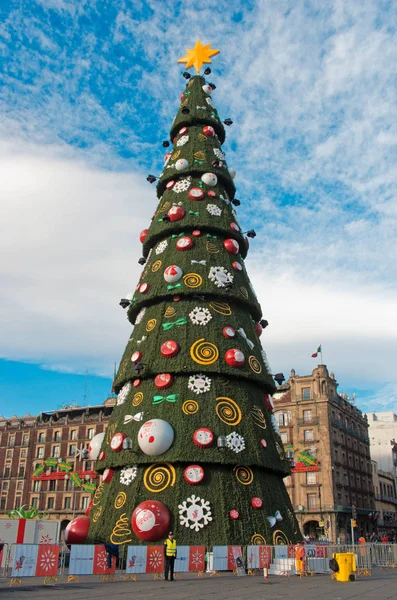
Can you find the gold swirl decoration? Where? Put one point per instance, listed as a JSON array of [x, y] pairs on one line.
[[110, 431], [228, 411], [258, 540], [243, 292], [175, 155], [137, 399], [184, 102], [258, 417], [158, 477], [98, 494], [202, 137], [97, 514], [151, 324], [222, 308], [203, 352], [120, 500], [169, 312], [199, 155], [121, 532], [156, 265], [212, 248], [279, 538], [255, 364], [165, 206], [244, 474], [192, 280], [190, 407]]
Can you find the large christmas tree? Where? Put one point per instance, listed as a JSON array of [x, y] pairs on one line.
[[191, 445]]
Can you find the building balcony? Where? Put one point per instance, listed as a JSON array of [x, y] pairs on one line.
[[304, 422]]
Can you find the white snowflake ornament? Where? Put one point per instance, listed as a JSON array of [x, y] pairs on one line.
[[199, 383], [140, 316], [219, 154], [123, 393], [214, 210], [200, 316], [182, 140], [210, 102], [128, 474], [235, 442], [161, 247], [220, 277], [182, 185], [195, 513]]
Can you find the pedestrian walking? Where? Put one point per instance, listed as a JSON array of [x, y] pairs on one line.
[[170, 556]]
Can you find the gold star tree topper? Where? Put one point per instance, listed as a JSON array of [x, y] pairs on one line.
[[198, 56]]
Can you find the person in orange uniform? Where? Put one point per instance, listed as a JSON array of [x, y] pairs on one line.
[[300, 557], [170, 556]]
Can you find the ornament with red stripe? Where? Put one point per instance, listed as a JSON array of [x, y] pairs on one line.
[[172, 274], [196, 233], [208, 130], [235, 358], [167, 156], [209, 179], [181, 164], [247, 243], [193, 474], [169, 349], [170, 184], [116, 443], [264, 443], [143, 288], [234, 227], [107, 475], [163, 381], [212, 194], [102, 455], [234, 514], [203, 437], [184, 243], [89, 507], [258, 329], [183, 131], [155, 437], [176, 213], [142, 235], [137, 382], [269, 402], [136, 357], [195, 194], [237, 266], [228, 332], [150, 521], [256, 503], [232, 246], [76, 531]]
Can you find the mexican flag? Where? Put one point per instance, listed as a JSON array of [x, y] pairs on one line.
[[317, 352]]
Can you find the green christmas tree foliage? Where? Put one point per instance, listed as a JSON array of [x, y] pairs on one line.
[[195, 360]]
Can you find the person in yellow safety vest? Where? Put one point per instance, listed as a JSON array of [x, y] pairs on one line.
[[170, 556], [300, 557]]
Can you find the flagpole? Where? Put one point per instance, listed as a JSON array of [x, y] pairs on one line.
[[321, 354]]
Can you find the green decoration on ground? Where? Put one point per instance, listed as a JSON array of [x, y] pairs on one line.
[[27, 512]]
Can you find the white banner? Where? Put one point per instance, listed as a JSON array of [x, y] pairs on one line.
[[221, 555], [81, 560], [182, 559]]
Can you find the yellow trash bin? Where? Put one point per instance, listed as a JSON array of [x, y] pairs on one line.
[[347, 566]]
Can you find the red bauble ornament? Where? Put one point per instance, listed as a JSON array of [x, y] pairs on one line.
[[193, 474], [231, 246], [107, 475], [163, 381], [169, 349], [237, 266], [211, 194], [228, 332], [167, 156], [143, 288], [76, 531], [264, 443], [182, 96], [142, 235], [195, 194], [208, 130], [89, 507], [196, 233], [256, 503], [136, 357], [176, 213], [184, 243], [102, 455], [269, 402], [170, 184], [203, 437], [258, 329], [176, 298], [235, 358], [183, 131], [137, 382], [233, 514], [116, 443], [150, 521], [234, 227]]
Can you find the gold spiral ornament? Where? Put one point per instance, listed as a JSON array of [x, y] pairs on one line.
[[279, 538], [158, 477], [110, 431], [97, 514], [151, 324], [175, 155], [258, 540], [228, 411], [255, 365], [199, 155], [244, 474], [202, 137], [258, 417], [156, 265], [212, 248], [221, 308], [169, 312], [165, 206], [190, 407], [243, 292], [121, 533], [203, 352], [137, 399], [98, 495], [192, 280], [120, 500]]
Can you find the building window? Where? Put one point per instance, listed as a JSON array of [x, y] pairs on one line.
[[20, 485], [11, 440], [50, 503], [5, 485], [88, 465], [84, 502], [52, 485], [3, 501], [67, 502], [7, 471], [57, 436], [307, 415], [311, 478], [69, 485], [24, 453], [40, 453], [72, 450], [73, 434], [90, 433], [308, 435], [34, 502], [41, 438], [305, 393], [25, 439], [17, 502], [9, 453], [56, 452], [312, 501], [284, 437], [36, 486], [21, 472]]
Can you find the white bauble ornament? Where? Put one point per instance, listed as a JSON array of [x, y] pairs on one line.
[[172, 274], [210, 178], [155, 437], [207, 89], [95, 446], [181, 164], [232, 173]]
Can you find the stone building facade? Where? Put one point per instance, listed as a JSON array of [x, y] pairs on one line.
[[326, 438], [385, 516]]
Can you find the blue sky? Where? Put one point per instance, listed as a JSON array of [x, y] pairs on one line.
[[88, 90]]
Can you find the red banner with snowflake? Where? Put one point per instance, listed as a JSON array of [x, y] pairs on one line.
[[155, 559], [100, 566], [47, 561], [196, 558]]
